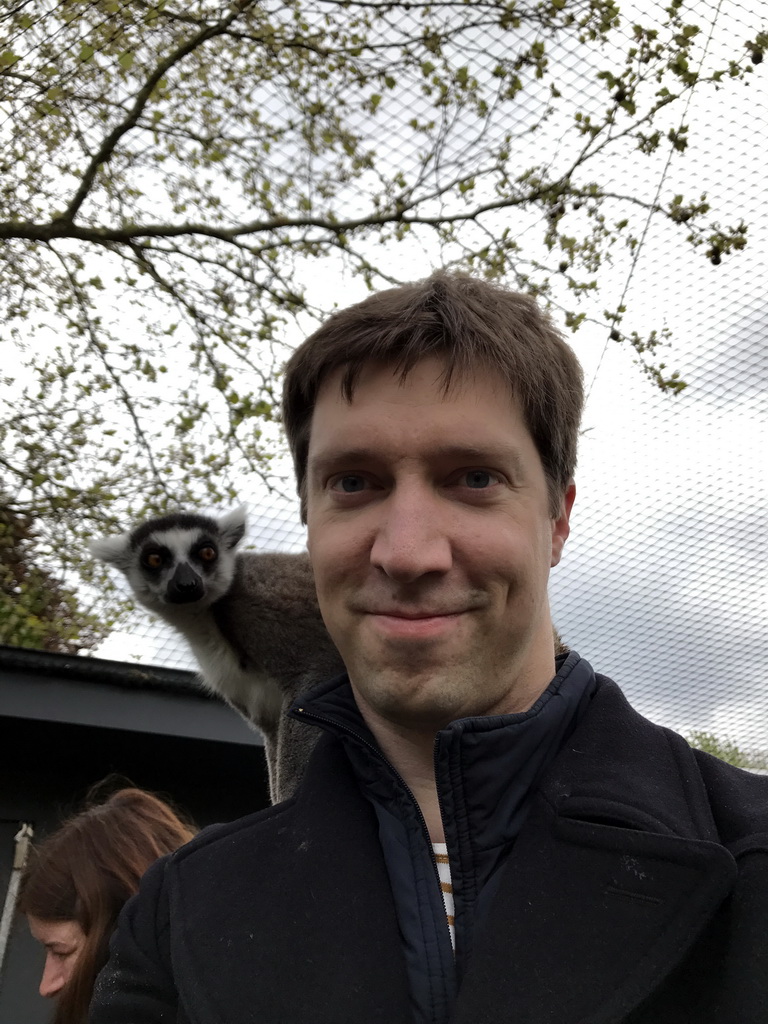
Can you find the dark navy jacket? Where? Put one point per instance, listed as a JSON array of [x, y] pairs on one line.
[[635, 891]]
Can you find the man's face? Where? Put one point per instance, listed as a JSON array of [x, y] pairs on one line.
[[431, 540]]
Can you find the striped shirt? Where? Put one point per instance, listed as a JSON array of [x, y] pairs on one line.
[[444, 872]]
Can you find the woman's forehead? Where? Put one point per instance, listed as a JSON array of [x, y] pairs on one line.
[[50, 932]]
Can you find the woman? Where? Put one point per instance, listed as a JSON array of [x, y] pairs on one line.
[[78, 880]]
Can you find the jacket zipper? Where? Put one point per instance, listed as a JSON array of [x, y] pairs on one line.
[[375, 750]]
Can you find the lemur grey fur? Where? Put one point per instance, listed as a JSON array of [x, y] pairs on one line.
[[252, 621]]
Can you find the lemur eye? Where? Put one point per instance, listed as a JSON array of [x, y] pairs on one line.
[[207, 554], [153, 560]]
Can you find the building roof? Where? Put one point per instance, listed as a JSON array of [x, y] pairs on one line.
[[42, 686]]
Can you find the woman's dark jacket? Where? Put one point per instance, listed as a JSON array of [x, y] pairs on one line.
[[632, 886]]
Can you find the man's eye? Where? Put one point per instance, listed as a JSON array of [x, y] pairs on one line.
[[349, 484], [479, 478]]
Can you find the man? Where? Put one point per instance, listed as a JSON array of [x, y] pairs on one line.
[[600, 870]]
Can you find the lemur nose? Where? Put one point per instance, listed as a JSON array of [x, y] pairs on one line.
[[185, 585]]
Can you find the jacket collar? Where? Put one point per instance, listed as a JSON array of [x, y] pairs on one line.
[[643, 776], [486, 767], [625, 770]]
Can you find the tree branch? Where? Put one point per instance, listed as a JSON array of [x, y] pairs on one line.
[[107, 148], [125, 236], [98, 349]]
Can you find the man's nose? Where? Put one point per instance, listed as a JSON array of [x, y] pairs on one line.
[[52, 980], [412, 538]]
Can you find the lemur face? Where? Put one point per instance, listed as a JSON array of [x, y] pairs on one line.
[[177, 559], [179, 566]]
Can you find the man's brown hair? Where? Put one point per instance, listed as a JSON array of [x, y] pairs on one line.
[[467, 323]]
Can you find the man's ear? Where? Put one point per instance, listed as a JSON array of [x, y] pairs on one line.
[[561, 526]]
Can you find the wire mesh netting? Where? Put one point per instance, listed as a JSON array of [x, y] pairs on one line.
[[663, 584]]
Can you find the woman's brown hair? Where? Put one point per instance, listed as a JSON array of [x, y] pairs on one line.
[[88, 868]]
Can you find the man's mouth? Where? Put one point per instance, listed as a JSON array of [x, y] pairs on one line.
[[419, 625]]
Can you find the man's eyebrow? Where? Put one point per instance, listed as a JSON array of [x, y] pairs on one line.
[[480, 453], [335, 456], [467, 454]]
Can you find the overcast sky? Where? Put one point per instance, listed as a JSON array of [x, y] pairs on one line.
[[663, 582]]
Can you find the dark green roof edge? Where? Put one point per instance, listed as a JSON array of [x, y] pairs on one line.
[[99, 670]]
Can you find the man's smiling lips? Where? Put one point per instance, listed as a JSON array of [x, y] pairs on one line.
[[414, 625]]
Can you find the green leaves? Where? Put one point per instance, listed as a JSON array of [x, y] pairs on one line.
[[36, 609], [727, 750], [181, 183]]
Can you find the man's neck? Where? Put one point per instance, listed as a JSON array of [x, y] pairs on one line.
[[412, 754]]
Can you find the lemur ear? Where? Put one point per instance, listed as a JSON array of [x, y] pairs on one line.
[[113, 550], [232, 526]]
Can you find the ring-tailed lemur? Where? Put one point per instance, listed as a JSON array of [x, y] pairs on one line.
[[252, 621]]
